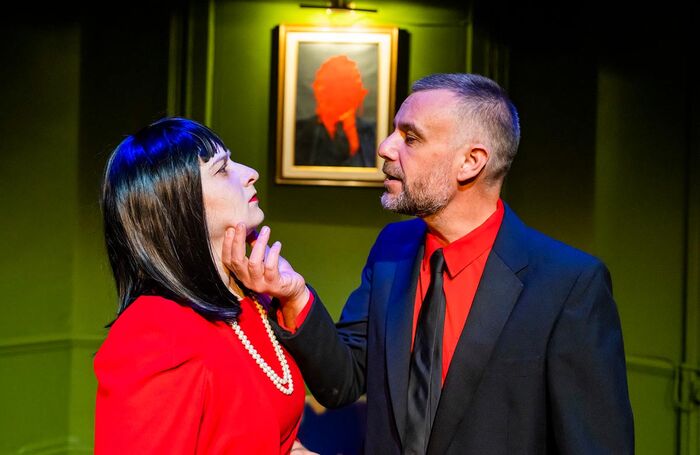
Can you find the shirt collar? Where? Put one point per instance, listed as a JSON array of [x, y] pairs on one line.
[[465, 250]]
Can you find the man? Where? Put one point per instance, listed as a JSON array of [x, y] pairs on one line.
[[470, 332]]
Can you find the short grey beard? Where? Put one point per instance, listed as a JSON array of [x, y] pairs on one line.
[[418, 203]]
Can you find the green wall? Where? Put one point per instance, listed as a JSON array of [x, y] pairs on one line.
[[78, 85], [326, 232], [640, 228], [605, 164], [38, 189], [72, 93], [123, 86]]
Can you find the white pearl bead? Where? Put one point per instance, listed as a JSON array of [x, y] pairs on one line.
[[279, 382]]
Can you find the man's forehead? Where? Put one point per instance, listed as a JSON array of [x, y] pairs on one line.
[[427, 104]]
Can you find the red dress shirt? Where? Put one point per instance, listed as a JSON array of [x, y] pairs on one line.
[[465, 259], [169, 381]]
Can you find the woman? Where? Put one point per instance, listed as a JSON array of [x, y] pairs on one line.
[[190, 365]]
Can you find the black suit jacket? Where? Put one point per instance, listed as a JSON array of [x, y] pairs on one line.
[[539, 367], [314, 146]]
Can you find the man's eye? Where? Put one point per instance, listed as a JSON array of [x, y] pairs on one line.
[[409, 139]]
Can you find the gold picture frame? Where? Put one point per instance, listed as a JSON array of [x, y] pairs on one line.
[[335, 101]]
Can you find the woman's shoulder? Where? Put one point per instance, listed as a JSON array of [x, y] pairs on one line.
[[153, 334], [158, 319], [157, 310]]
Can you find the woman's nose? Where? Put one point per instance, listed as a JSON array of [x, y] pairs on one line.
[[250, 175]]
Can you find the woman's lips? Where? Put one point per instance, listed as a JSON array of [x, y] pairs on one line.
[[254, 198]]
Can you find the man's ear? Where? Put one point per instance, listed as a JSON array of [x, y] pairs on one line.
[[474, 159]]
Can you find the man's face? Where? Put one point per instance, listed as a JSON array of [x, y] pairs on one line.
[[420, 159]]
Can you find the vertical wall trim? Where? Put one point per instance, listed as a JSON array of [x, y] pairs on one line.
[[690, 421], [209, 81], [175, 67], [469, 45], [191, 69], [188, 83]]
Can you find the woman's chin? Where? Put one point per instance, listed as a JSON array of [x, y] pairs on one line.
[[254, 225]]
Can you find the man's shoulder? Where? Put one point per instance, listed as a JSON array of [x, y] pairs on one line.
[[547, 250], [401, 231], [398, 241], [520, 244]]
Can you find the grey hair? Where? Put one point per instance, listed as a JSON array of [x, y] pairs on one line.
[[487, 108]]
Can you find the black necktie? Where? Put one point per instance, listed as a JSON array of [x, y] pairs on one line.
[[341, 149], [425, 376]]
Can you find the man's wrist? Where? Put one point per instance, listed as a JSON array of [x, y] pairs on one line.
[[296, 303], [292, 313]]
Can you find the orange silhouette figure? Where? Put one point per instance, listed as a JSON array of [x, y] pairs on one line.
[[339, 95]]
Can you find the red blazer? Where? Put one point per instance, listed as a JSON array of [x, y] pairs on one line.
[[169, 381]]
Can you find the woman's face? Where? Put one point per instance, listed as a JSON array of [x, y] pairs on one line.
[[229, 195]]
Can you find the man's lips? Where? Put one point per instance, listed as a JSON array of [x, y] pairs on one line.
[[389, 173]]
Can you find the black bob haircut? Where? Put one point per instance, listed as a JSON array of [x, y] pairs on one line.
[[154, 222]]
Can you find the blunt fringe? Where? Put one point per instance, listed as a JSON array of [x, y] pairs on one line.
[[486, 106], [154, 222]]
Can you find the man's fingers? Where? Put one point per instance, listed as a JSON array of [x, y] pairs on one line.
[[271, 262], [226, 254], [257, 254], [237, 261]]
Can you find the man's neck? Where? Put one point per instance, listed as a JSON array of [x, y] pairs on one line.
[[461, 217]]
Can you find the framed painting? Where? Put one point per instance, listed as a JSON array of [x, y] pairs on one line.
[[336, 89]]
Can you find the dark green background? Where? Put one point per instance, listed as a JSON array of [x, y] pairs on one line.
[[608, 162]]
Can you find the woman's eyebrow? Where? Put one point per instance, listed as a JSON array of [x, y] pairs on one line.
[[218, 157]]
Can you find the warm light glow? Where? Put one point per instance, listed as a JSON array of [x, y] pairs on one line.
[[339, 6]]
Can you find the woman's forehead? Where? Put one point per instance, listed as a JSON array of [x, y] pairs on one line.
[[221, 152], [218, 156]]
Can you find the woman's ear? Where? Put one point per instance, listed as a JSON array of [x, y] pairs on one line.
[[474, 159]]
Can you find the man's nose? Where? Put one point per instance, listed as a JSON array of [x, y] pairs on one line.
[[388, 148]]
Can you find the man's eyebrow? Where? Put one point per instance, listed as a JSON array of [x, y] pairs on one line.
[[410, 126]]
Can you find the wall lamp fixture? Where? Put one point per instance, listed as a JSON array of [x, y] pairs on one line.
[[339, 6]]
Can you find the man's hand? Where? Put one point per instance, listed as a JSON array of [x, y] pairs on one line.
[[299, 449], [265, 271]]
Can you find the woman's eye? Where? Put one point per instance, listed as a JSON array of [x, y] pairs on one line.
[[222, 169]]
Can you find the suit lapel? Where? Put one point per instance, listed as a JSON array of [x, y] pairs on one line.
[[399, 325], [496, 295]]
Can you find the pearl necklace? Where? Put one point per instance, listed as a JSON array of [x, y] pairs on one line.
[[284, 384]]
